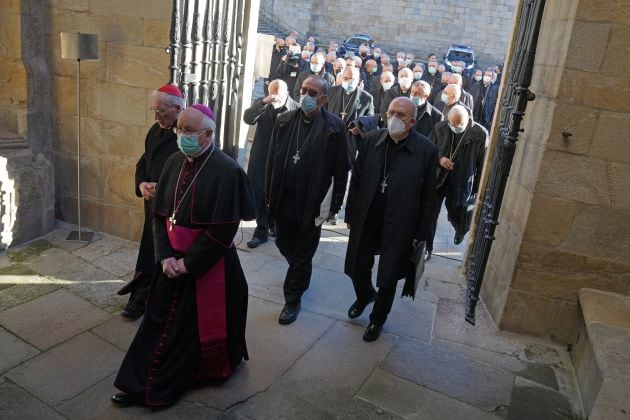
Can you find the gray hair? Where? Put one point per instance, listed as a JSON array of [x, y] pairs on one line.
[[168, 99], [459, 110], [424, 86]]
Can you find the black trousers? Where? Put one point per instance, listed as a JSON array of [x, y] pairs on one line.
[[369, 246], [298, 243], [457, 215], [263, 224]]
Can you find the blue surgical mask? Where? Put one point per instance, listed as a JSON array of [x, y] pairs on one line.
[[308, 103], [189, 145], [417, 75], [432, 70], [348, 86], [456, 69], [377, 55], [457, 130], [417, 100]]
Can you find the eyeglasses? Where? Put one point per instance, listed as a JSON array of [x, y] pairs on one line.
[[311, 92], [184, 132], [159, 111]]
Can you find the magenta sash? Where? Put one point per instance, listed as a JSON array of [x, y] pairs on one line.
[[211, 311]]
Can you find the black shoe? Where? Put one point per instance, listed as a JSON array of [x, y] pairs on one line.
[[459, 238], [135, 307], [289, 314], [272, 231], [427, 255], [372, 332], [255, 242], [333, 221], [358, 307], [123, 400]]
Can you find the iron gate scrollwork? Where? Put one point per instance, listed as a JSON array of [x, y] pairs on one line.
[[516, 94], [206, 60]]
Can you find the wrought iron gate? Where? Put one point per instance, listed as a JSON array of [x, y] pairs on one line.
[[516, 94], [206, 48]]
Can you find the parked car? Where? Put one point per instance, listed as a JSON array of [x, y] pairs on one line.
[[458, 52], [353, 43]]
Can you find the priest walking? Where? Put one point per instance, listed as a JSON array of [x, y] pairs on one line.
[[194, 326], [389, 209], [308, 153], [350, 101], [161, 142]]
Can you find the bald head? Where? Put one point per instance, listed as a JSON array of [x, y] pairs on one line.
[[405, 105], [451, 93]]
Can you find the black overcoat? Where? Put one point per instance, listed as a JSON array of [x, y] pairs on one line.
[[264, 115], [426, 119], [409, 206], [468, 159], [328, 159], [362, 103], [159, 144]]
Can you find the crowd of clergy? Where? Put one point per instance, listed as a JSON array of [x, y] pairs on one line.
[[386, 142]]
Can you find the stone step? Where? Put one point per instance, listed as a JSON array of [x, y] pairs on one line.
[[600, 351]]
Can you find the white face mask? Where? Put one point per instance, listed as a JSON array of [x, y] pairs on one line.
[[396, 127], [417, 75], [432, 70], [404, 83], [487, 79], [444, 98], [387, 85], [477, 78]]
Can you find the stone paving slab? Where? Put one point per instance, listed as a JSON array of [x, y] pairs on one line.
[[450, 326], [52, 319], [451, 374], [94, 285], [17, 404], [67, 370], [118, 331], [119, 262], [52, 261], [532, 401], [273, 349], [314, 382], [412, 401], [94, 404], [100, 248], [13, 351], [22, 293]]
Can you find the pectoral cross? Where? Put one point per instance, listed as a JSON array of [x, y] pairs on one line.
[[296, 157], [383, 186], [172, 221], [343, 115]]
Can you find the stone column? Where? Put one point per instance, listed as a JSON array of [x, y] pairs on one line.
[[564, 222]]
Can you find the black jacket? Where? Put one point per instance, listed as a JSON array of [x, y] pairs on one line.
[[467, 158], [159, 144], [409, 202], [264, 116], [426, 119], [361, 105], [276, 59], [390, 95], [328, 157]]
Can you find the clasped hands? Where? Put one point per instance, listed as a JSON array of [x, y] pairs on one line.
[[173, 267], [147, 189]]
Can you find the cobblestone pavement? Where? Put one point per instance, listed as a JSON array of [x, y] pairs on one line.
[[62, 340]]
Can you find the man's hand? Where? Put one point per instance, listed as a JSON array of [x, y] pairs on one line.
[[270, 98], [170, 267], [355, 130], [446, 163], [181, 268], [147, 189]]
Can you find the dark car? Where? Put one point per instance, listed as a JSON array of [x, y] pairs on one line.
[[353, 43], [458, 52]]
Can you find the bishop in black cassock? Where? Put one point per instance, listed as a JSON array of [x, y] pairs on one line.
[[308, 155], [193, 329]]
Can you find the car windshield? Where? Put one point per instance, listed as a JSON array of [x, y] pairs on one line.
[[356, 41], [460, 55]]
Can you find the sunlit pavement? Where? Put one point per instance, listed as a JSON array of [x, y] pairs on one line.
[[62, 340]]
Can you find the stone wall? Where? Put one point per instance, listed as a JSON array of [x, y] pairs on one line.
[[418, 26], [13, 74], [564, 224], [114, 113]]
